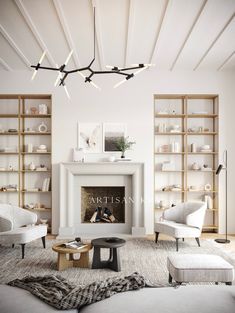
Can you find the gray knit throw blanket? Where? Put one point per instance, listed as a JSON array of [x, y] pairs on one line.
[[61, 294]]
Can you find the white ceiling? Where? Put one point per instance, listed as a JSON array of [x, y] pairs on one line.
[[173, 34]]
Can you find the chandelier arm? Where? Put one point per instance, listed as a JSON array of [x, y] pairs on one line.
[[63, 79], [77, 70], [45, 68], [130, 68]]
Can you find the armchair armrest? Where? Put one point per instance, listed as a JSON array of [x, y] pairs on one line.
[[5, 224]]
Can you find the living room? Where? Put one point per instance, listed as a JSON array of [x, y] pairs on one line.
[[116, 155]]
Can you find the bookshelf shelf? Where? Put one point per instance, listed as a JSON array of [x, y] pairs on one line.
[[191, 115], [17, 107]]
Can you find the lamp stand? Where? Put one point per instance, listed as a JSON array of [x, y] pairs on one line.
[[225, 240]]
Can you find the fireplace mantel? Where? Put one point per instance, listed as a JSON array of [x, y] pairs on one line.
[[69, 172]]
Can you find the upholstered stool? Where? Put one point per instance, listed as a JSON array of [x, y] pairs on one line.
[[199, 268]]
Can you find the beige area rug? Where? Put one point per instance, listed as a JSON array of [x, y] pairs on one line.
[[141, 255]]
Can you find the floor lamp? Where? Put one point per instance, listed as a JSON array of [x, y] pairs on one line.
[[224, 167]]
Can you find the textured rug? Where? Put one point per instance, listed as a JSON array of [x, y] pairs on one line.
[[141, 255]]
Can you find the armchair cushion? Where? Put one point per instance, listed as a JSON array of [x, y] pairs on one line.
[[177, 230], [23, 235]]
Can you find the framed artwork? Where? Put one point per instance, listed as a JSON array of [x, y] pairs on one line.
[[112, 132], [90, 137]]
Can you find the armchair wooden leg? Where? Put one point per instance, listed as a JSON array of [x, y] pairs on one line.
[[13, 245], [156, 237], [44, 242], [177, 244], [198, 242], [23, 249]]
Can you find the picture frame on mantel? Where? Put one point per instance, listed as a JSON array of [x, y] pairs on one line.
[[112, 132], [90, 137]]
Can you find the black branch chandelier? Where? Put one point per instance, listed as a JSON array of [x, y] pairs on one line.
[[63, 73]]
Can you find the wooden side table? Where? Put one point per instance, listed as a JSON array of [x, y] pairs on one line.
[[64, 262]]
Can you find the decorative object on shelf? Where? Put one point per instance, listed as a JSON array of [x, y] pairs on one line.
[[32, 166], [193, 188], [175, 129], [42, 109], [163, 113], [10, 168], [123, 144], [193, 147], [44, 221], [195, 167], [90, 137], [30, 206], [205, 148], [112, 158], [42, 128], [125, 71], [2, 169], [32, 189], [224, 167], [162, 204], [9, 187], [161, 128], [29, 130], [209, 202], [33, 110], [123, 159], [78, 155], [207, 187], [1, 129], [42, 148], [174, 187], [206, 168], [41, 168], [168, 166], [30, 147], [12, 130]]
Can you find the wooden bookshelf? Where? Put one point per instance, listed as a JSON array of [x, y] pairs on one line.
[[187, 111], [18, 108]]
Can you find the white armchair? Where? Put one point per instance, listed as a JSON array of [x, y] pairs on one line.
[[17, 226], [184, 220]]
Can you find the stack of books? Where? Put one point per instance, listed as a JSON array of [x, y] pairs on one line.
[[46, 184], [74, 245]]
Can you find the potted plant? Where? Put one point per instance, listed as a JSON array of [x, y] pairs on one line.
[[123, 144]]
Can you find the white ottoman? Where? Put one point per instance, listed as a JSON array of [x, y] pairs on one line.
[[199, 268]]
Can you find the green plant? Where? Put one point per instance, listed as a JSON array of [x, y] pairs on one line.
[[123, 144]]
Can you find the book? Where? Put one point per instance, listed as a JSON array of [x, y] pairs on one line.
[[74, 245]]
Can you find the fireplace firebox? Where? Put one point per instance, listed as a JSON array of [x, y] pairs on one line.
[[101, 204]]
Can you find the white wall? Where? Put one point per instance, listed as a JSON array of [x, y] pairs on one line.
[[131, 103]]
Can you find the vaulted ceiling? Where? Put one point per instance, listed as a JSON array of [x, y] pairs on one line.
[[173, 34]]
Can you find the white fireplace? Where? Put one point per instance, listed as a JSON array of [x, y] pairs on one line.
[[76, 176]]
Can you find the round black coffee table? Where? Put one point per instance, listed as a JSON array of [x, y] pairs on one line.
[[111, 243]]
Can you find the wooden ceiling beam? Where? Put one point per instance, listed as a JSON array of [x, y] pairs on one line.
[[13, 44], [67, 33], [35, 31], [214, 41]]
